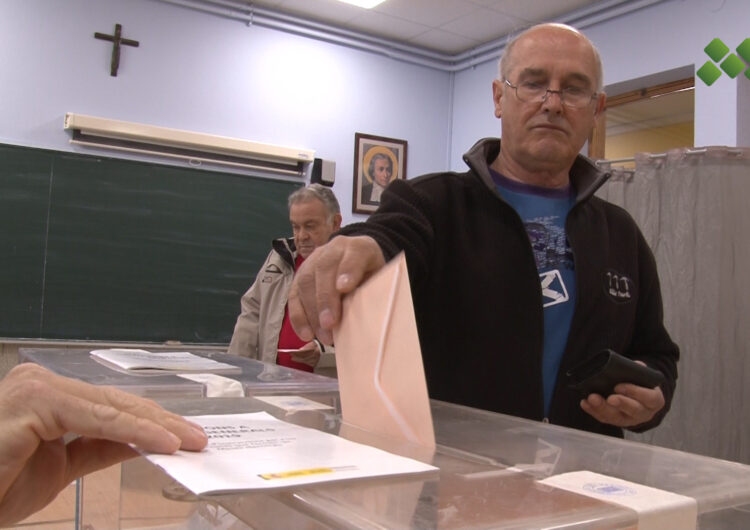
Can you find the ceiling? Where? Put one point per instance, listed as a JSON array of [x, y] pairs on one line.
[[445, 34], [448, 35], [447, 26]]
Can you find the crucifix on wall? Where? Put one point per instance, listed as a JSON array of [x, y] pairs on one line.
[[117, 41]]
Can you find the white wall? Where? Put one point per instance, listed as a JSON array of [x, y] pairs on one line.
[[663, 37], [473, 110], [203, 73]]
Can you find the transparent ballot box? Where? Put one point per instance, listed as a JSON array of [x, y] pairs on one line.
[[490, 472], [256, 377]]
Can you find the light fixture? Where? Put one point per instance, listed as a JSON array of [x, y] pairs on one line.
[[367, 4]]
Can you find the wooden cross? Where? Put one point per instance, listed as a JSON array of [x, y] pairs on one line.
[[117, 40]]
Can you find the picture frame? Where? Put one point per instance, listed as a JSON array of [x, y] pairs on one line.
[[386, 158]]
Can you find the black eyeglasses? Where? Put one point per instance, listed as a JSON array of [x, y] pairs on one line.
[[570, 96]]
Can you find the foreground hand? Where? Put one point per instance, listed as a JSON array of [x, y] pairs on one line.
[[37, 408], [331, 271], [308, 354], [629, 406]]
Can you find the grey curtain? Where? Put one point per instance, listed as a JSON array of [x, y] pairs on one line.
[[692, 206]]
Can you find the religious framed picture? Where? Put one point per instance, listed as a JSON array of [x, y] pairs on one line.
[[377, 161]]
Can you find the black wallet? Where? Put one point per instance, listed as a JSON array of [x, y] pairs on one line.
[[600, 373]]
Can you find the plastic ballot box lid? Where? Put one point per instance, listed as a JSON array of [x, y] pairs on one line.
[[252, 377]]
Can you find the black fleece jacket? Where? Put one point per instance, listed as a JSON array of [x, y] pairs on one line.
[[477, 294]]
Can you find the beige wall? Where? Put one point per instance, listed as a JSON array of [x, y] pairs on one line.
[[656, 140]]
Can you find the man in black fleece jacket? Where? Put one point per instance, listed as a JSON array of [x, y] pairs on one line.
[[518, 272]]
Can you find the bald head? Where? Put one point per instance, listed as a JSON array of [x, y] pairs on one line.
[[545, 32]]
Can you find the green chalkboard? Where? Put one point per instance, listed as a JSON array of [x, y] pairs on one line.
[[95, 248]]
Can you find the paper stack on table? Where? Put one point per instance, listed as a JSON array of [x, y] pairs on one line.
[[144, 362]]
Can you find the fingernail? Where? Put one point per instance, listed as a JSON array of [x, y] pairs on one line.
[[343, 281], [199, 432], [194, 425], [326, 319]]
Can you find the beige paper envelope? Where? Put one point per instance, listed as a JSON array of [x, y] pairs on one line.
[[379, 361]]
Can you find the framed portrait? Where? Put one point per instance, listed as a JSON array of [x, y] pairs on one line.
[[377, 162]]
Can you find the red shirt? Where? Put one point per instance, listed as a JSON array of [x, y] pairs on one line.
[[288, 339]]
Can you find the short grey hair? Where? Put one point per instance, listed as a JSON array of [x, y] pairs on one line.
[[505, 61], [318, 192]]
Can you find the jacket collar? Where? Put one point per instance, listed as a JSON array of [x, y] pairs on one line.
[[584, 175], [284, 246]]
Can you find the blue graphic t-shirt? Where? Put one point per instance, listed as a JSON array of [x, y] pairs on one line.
[[543, 212]]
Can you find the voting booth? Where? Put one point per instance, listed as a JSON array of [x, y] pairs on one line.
[[495, 471]]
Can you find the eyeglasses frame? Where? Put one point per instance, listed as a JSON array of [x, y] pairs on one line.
[[547, 94]]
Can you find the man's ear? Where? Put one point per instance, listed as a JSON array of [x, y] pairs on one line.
[[601, 103], [336, 222], [497, 95]]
